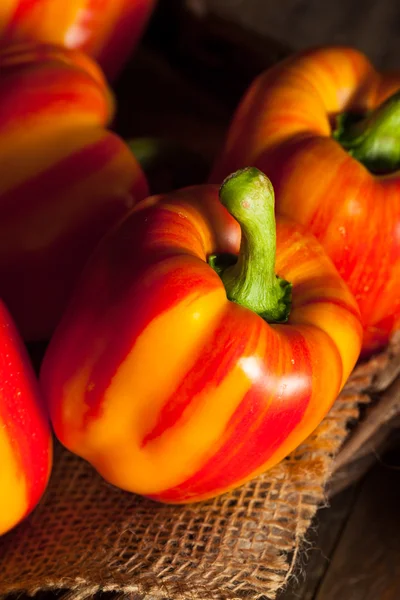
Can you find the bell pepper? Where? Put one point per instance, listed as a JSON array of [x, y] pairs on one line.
[[183, 365], [25, 438], [324, 126], [64, 178], [107, 30]]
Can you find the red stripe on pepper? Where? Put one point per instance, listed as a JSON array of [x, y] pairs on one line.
[[22, 10], [213, 365], [52, 91], [22, 411], [69, 171], [152, 303], [255, 421], [330, 300]]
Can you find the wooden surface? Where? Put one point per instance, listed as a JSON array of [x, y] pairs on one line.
[[354, 548]]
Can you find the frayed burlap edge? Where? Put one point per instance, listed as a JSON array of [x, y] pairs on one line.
[[86, 536]]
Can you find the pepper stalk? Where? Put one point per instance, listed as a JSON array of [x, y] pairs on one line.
[[375, 139], [251, 281]]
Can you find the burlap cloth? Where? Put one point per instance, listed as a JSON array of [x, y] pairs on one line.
[[86, 536]]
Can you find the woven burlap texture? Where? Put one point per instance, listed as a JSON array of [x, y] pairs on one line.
[[87, 536]]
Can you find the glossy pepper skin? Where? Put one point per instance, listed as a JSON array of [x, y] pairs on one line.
[[25, 439], [106, 30], [170, 389], [64, 178], [284, 126]]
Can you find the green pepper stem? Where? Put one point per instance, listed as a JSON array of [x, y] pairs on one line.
[[375, 139], [249, 197]]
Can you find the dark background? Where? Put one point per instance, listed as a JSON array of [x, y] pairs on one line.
[[373, 26]]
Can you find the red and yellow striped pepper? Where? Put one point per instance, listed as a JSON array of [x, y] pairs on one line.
[[324, 126], [25, 438], [64, 178], [107, 30], [180, 381]]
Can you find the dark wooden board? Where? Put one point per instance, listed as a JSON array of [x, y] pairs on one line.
[[354, 545], [319, 546], [366, 562]]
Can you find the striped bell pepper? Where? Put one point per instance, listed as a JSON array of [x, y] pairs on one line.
[[107, 30], [184, 365], [25, 438], [324, 125], [64, 178]]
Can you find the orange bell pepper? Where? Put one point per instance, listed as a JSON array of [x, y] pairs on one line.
[[64, 179], [164, 375], [107, 30], [25, 438], [324, 126]]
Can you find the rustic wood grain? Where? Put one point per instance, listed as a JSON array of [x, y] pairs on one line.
[[320, 544], [368, 440], [366, 562]]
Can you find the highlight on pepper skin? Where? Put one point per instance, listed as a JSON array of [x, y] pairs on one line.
[[174, 391], [65, 180], [324, 125], [106, 30], [25, 438]]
